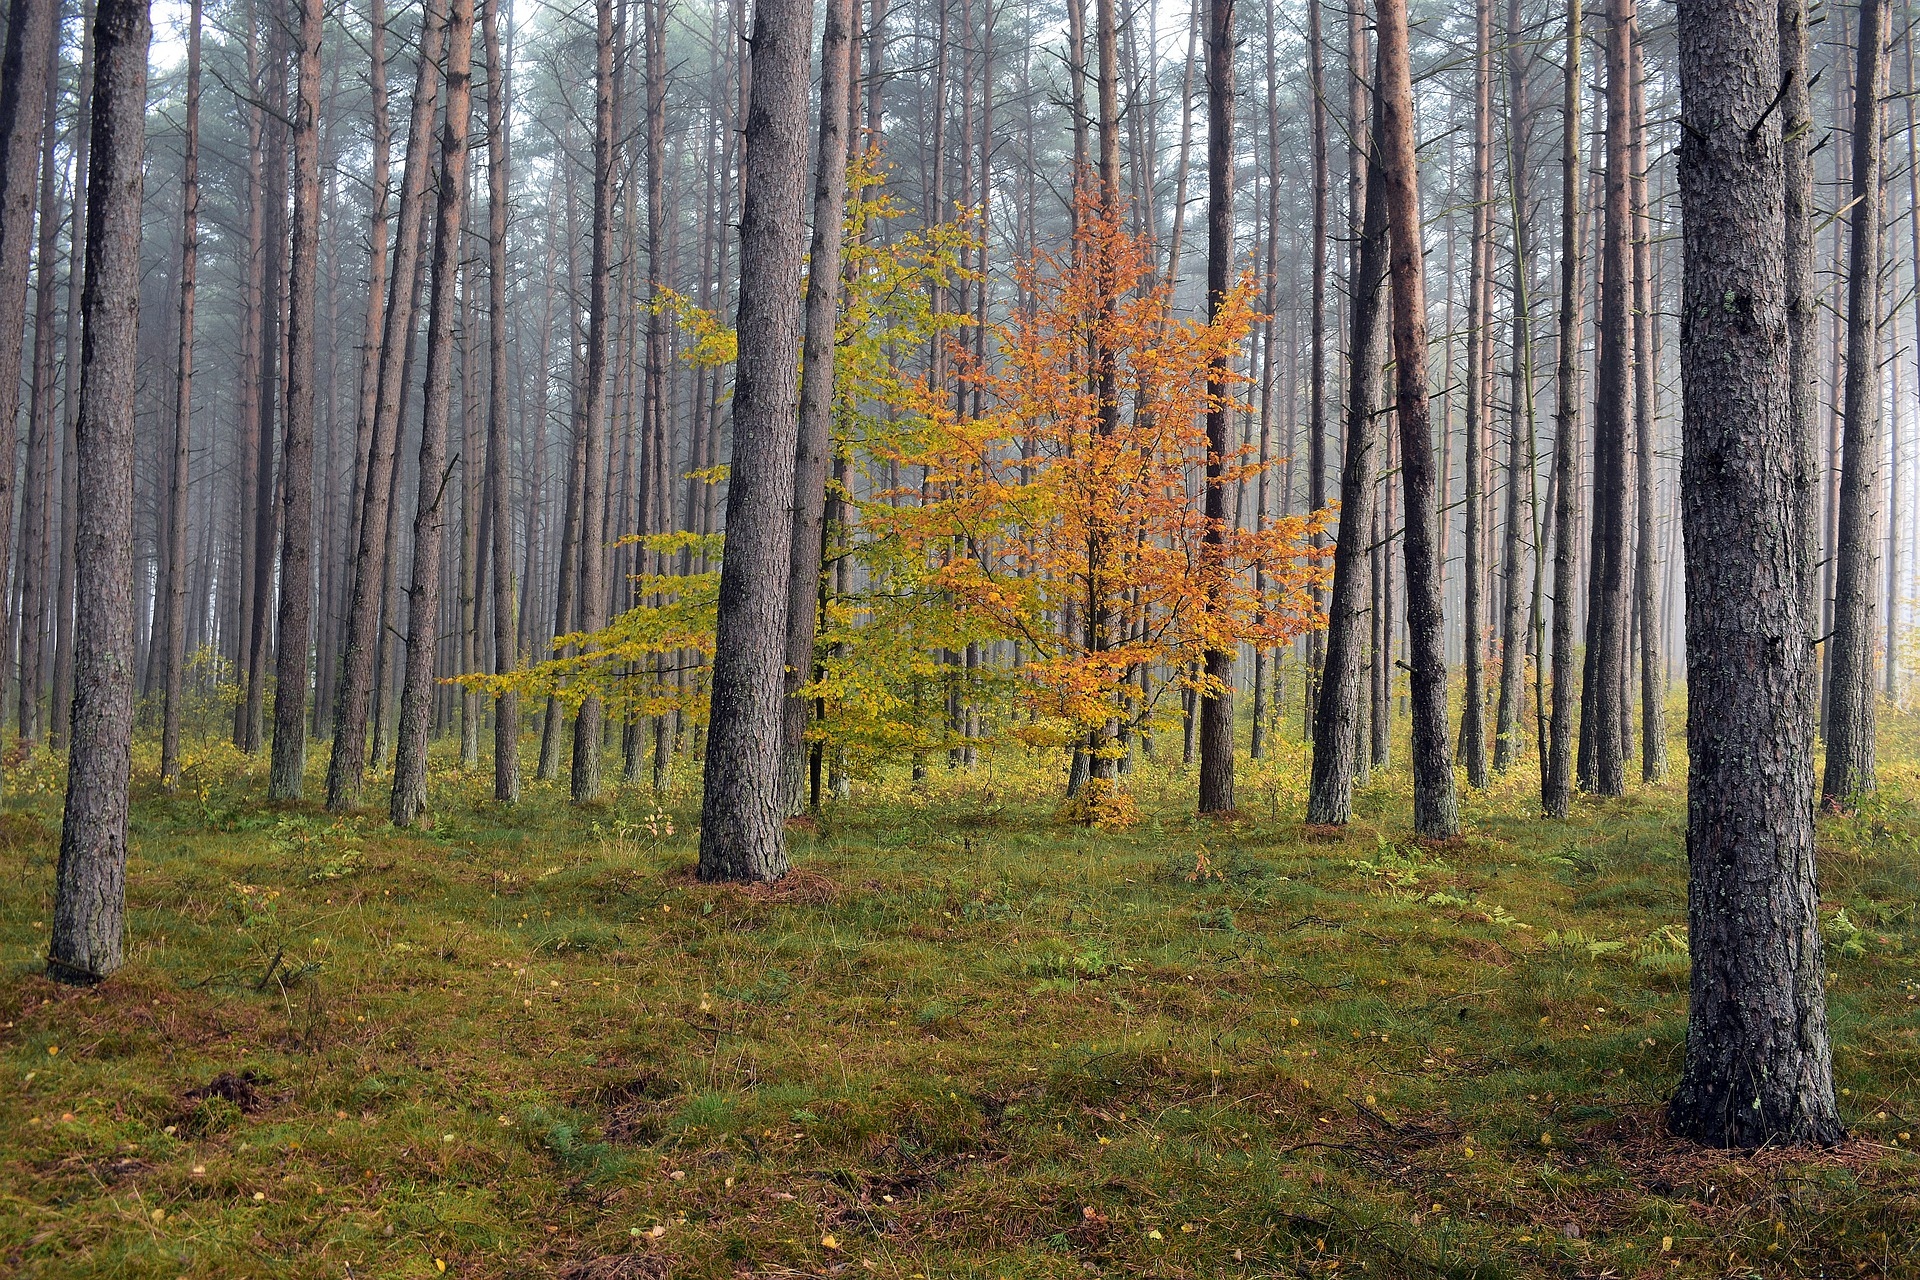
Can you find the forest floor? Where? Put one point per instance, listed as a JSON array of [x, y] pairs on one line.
[[961, 1040]]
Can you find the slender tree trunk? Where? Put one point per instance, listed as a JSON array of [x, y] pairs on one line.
[[42, 414], [741, 831], [292, 669], [1338, 710], [506, 656], [1473, 725], [1603, 709], [812, 457], [1556, 788], [90, 883], [1758, 1066], [589, 722], [1435, 810], [176, 631], [1646, 316], [429, 522], [1216, 700], [1520, 472], [273, 278], [1851, 686], [385, 399], [1317, 327]]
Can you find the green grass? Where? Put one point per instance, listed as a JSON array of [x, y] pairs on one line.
[[962, 1041]]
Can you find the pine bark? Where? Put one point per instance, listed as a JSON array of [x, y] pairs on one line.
[[1758, 1064], [90, 882], [589, 721], [176, 603], [506, 657], [409, 798], [1520, 423], [1851, 686], [1436, 811], [42, 415], [1216, 698], [1556, 788], [1653, 691], [741, 827], [292, 670], [1473, 723], [813, 455], [385, 400]]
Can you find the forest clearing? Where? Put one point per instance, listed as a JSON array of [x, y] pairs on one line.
[[959, 1040]]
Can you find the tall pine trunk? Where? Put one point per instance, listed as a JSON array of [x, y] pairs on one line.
[[741, 826], [90, 883], [1758, 1065], [1556, 787], [506, 706], [176, 603], [1216, 698]]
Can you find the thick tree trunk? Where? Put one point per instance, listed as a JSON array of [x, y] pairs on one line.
[[90, 883], [1851, 687], [741, 826], [386, 397], [1337, 711], [176, 611], [1216, 700], [589, 722], [1758, 1065], [291, 669], [1435, 810], [506, 656], [1556, 786], [812, 456], [429, 522]]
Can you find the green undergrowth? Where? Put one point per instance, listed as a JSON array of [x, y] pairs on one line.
[[960, 1041]]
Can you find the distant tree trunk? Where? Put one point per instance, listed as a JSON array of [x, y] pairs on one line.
[[90, 883], [1603, 709], [42, 415], [1520, 469], [1317, 328], [1851, 687], [589, 721], [258, 640], [385, 399], [741, 831], [506, 656], [1337, 712], [429, 522], [812, 456], [291, 668], [1435, 810], [1556, 789], [1758, 1065], [1646, 316], [1473, 724], [59, 718], [176, 631], [31, 26], [1216, 701]]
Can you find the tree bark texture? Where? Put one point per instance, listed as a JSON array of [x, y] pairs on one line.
[[1216, 698]]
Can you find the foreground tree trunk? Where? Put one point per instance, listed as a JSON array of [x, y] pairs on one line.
[[1851, 686], [1556, 784], [429, 522], [1337, 747], [1758, 1066], [741, 823], [90, 884], [1216, 698], [1435, 809], [384, 400], [291, 673], [811, 457]]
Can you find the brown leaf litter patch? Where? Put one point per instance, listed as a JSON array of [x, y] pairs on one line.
[[618, 1266], [800, 887]]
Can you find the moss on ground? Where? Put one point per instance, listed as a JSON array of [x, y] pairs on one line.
[[961, 1041]]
